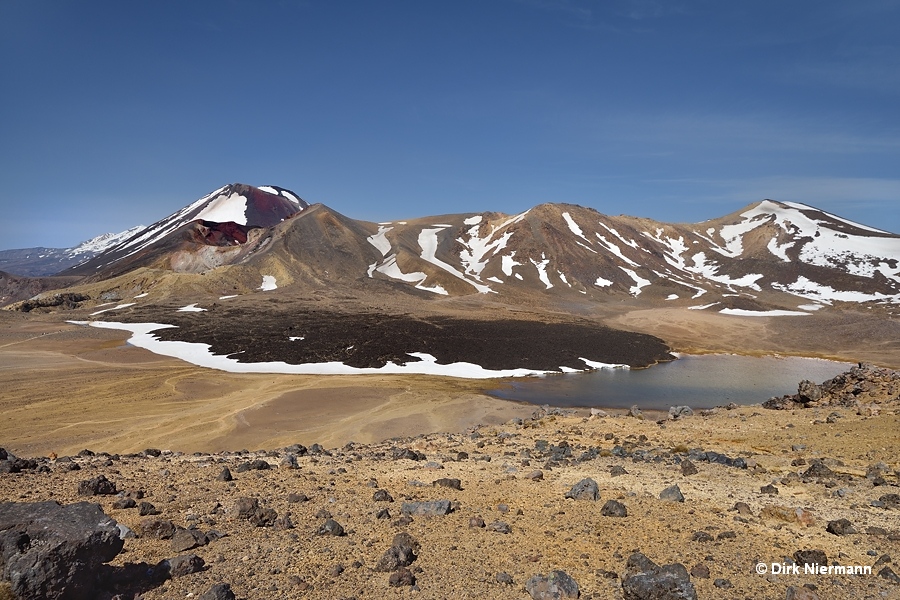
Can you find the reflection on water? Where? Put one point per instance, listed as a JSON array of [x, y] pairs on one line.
[[697, 381]]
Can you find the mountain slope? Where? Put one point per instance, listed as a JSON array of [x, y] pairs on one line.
[[42, 262]]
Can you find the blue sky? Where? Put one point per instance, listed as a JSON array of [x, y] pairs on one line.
[[117, 113]]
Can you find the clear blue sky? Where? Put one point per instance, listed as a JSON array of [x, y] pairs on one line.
[[114, 113]]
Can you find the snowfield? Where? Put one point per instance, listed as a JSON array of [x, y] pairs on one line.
[[200, 355]]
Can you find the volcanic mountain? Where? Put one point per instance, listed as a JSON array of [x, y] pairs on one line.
[[205, 234], [781, 254], [259, 269]]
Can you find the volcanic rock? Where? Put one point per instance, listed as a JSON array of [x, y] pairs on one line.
[[554, 586], [52, 551]]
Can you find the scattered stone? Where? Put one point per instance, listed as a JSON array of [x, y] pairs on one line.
[[840, 527], [183, 565], [146, 509], [503, 578], [264, 517], [382, 496], [403, 551], [586, 489], [769, 490], [888, 573], [614, 508], [616, 470], [476, 522], [254, 465], [743, 509], [402, 577], [289, 461], [97, 486], [383, 514], [52, 551], [244, 508], [890, 500], [818, 470], [553, 586], [295, 498], [188, 539], [701, 536], [430, 508], [220, 591], [810, 557], [723, 584], [635, 412], [161, 529], [800, 593], [283, 523], [125, 532], [500, 527], [672, 494], [124, 503], [599, 414], [726, 535], [535, 476], [447, 482], [700, 571], [225, 475], [688, 468], [680, 412], [645, 580], [330, 527]]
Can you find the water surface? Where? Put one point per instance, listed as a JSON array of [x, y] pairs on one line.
[[697, 381]]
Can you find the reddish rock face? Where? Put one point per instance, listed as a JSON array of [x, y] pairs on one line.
[[220, 234]]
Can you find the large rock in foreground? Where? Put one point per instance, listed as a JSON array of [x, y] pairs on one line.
[[645, 580], [52, 551]]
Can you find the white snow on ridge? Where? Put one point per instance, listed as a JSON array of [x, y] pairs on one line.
[[507, 262], [710, 271], [200, 355], [473, 220], [762, 313], [126, 305], [806, 288], [615, 250], [102, 242], [428, 242], [542, 270], [390, 268], [601, 282], [224, 209], [800, 206], [639, 281], [191, 308], [573, 226], [268, 283], [380, 241]]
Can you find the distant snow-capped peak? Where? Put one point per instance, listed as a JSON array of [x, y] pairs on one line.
[[98, 244]]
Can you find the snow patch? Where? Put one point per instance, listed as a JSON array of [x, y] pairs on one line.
[[379, 240], [191, 308], [126, 305], [601, 282], [639, 281], [473, 220], [268, 283], [428, 242], [766, 313], [200, 355]]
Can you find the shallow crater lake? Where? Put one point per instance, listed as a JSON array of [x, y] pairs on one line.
[[698, 381]]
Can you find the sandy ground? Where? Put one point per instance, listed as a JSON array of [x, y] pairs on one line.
[[66, 387]]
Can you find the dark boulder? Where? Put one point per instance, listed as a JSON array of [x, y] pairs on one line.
[[220, 591], [183, 565], [645, 580], [431, 508], [586, 489], [97, 486], [614, 508], [554, 586], [403, 551], [52, 551]]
